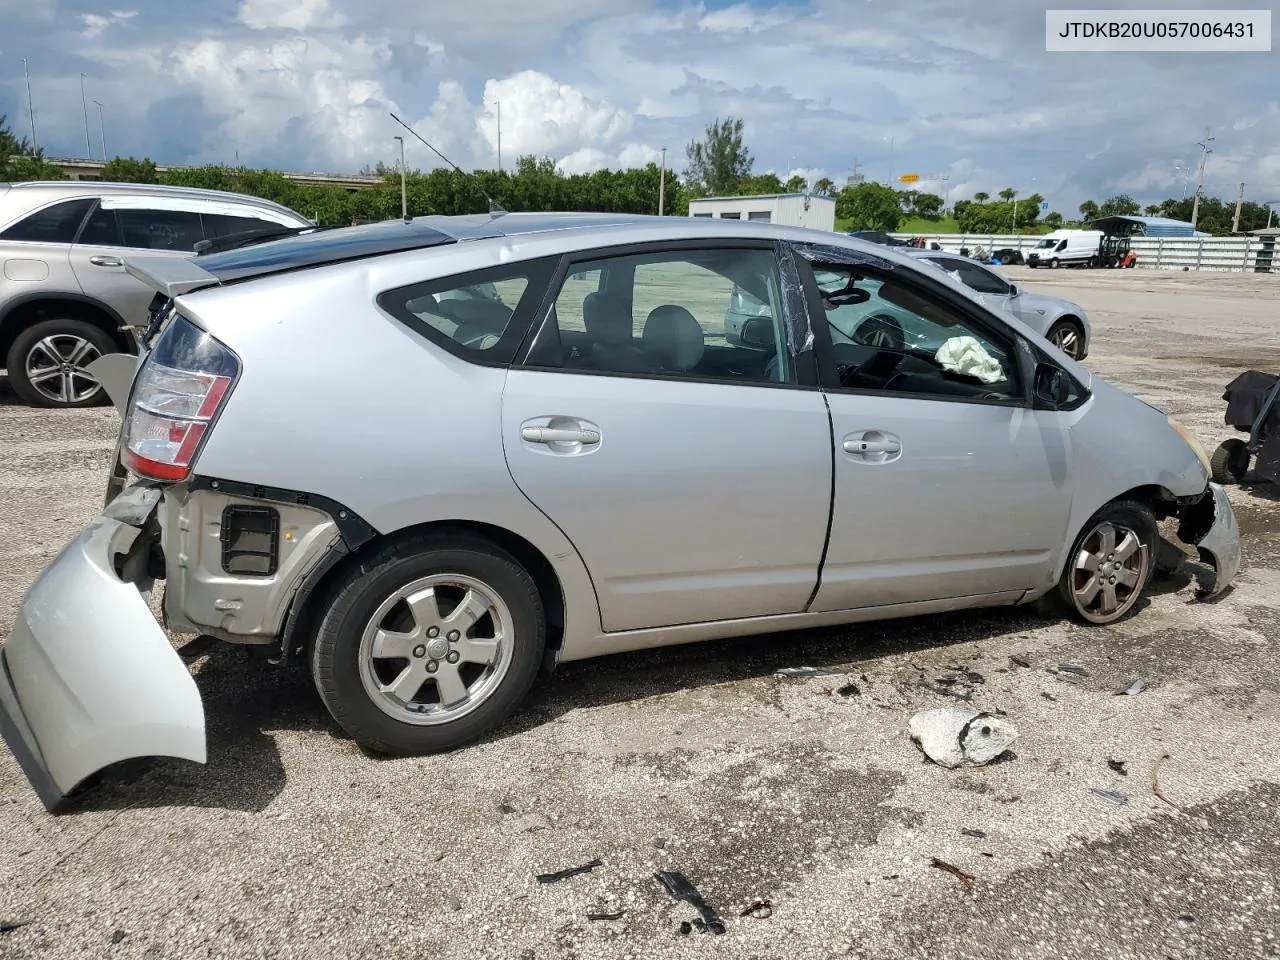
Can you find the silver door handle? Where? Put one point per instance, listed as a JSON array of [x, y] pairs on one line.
[[101, 261], [872, 446], [559, 435]]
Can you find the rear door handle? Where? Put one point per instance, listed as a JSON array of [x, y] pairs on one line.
[[873, 446], [559, 435], [103, 261]]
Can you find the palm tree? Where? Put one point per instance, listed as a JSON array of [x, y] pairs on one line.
[[1008, 193], [981, 197]]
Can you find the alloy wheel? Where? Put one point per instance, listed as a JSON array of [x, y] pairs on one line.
[[436, 649], [1067, 339], [1109, 571], [55, 368]]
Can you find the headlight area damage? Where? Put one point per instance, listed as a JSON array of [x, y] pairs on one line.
[[84, 644], [1209, 525]]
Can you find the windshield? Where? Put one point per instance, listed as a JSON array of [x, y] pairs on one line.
[[1045, 244]]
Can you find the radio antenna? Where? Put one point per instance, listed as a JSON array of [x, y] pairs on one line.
[[495, 209]]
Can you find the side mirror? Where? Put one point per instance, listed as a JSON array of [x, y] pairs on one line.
[[1013, 289], [1051, 388], [758, 332]]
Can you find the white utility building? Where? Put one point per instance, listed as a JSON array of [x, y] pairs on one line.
[[788, 209]]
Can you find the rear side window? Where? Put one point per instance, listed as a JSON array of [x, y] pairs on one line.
[[160, 229], [55, 224], [224, 225], [481, 316]]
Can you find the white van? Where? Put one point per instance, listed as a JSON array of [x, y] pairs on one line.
[[1064, 248]]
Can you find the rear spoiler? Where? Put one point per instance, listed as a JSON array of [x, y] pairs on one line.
[[170, 276]]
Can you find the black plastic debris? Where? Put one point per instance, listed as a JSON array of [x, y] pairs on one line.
[[759, 909], [118, 936], [8, 926], [1133, 689], [971, 832], [1019, 661], [805, 672], [660, 842], [1119, 799], [1048, 696], [849, 690], [961, 695], [607, 916], [1068, 673], [569, 872], [1119, 766], [679, 887], [452, 903]]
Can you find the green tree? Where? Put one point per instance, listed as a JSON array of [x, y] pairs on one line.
[[20, 161], [760, 184], [869, 206], [719, 162], [1008, 193], [1152, 210], [1053, 220], [825, 187], [129, 170], [1121, 205], [981, 197], [796, 184], [927, 205], [1088, 210]]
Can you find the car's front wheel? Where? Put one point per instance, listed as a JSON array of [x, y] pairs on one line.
[[429, 644], [1068, 336], [47, 363], [1110, 564]]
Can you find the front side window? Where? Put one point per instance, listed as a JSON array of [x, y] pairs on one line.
[[159, 229], [54, 224], [887, 336], [701, 314], [973, 276], [225, 225], [481, 316]]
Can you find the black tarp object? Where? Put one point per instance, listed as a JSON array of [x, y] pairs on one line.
[[1245, 396]]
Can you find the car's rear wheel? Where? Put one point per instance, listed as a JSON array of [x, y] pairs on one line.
[[1068, 336], [1230, 462], [429, 644], [47, 363], [1110, 564]]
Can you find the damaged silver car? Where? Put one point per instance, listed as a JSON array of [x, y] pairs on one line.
[[423, 459]]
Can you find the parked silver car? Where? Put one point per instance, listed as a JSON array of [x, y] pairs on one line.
[[65, 298], [1064, 323], [477, 485]]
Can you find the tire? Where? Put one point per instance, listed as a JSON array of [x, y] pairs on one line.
[[1055, 263], [1067, 336], [1123, 517], [880, 330], [1230, 462], [349, 674], [38, 377]]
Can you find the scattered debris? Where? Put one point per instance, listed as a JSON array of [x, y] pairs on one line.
[[452, 903], [1119, 766], [661, 842], [1119, 799], [1019, 661], [1155, 781], [951, 736], [570, 872], [1133, 689], [679, 887], [607, 916], [1067, 673], [963, 697], [849, 690], [8, 926], [965, 878], [1048, 696], [760, 909], [805, 672], [970, 832], [506, 809], [5, 801], [118, 936]]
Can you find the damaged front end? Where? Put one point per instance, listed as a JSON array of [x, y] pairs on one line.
[[1209, 525], [88, 677]]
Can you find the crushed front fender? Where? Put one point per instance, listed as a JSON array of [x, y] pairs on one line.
[[1209, 525], [88, 677]]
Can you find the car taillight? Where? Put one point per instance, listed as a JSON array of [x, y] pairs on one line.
[[183, 384]]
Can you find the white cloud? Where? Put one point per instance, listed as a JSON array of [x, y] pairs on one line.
[[547, 118], [95, 23], [586, 160], [288, 14]]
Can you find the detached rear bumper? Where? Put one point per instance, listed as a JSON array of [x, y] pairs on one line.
[[88, 678], [1210, 526]]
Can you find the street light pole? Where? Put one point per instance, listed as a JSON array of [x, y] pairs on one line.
[[84, 105], [31, 112], [662, 183], [102, 131], [1204, 155], [404, 188]]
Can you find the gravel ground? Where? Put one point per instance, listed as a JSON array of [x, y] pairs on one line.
[[292, 842]]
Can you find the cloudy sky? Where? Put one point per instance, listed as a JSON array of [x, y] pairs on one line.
[[935, 87]]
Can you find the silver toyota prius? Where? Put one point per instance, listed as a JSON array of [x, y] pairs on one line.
[[426, 458]]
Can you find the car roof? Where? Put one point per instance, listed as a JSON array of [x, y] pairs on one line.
[[87, 188]]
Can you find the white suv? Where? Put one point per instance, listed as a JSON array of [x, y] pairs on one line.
[[65, 298]]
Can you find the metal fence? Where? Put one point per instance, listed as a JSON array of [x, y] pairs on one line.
[[1232, 254]]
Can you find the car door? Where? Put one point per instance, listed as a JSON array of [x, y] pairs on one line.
[[118, 227], [947, 483], [692, 475]]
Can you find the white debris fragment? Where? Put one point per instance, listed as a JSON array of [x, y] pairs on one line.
[[954, 736]]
